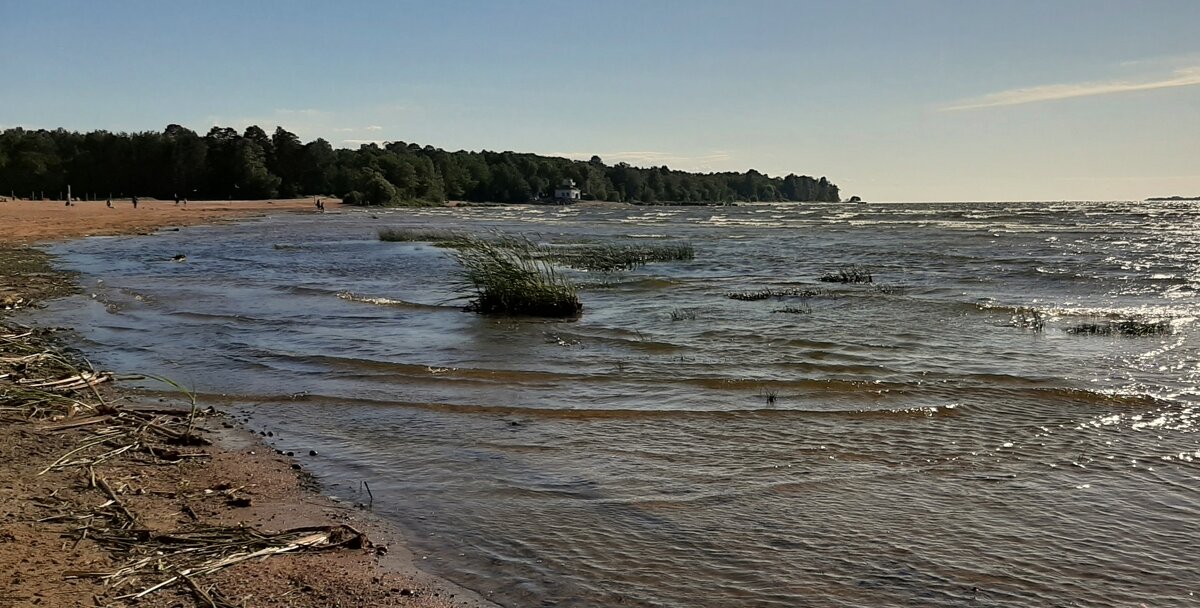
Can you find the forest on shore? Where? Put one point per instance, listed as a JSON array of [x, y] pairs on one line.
[[225, 164]]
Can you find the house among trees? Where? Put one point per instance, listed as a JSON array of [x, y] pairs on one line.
[[566, 193]]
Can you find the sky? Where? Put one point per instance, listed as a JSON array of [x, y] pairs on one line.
[[899, 100]]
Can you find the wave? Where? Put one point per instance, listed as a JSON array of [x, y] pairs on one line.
[[352, 297], [304, 290], [646, 284], [307, 399]]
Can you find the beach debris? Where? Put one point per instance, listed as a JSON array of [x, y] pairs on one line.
[[13, 302], [56, 392], [161, 560]]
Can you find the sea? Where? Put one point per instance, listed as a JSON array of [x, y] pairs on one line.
[[1006, 415]]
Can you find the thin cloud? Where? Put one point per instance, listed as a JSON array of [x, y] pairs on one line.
[[648, 157], [1185, 77], [310, 123], [357, 129]]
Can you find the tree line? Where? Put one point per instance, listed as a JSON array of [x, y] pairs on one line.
[[225, 164]]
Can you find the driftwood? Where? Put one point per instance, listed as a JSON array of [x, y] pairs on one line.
[[184, 556], [58, 393]]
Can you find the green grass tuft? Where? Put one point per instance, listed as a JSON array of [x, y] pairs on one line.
[[506, 277]]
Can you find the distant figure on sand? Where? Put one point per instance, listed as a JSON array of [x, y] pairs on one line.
[[176, 199], [135, 202], [109, 202]]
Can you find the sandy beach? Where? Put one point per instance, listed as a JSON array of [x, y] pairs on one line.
[[25, 221], [61, 505]]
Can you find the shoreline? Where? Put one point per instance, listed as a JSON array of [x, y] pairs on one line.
[[55, 540], [29, 222]]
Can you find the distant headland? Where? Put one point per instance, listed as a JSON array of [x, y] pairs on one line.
[[252, 165], [1174, 198]]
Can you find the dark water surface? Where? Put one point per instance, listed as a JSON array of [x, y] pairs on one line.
[[893, 444]]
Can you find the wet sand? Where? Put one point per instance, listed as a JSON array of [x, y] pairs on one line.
[[238, 480]]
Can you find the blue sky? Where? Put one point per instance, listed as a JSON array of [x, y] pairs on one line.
[[901, 100]]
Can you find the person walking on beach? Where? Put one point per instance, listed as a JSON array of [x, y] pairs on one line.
[[176, 199], [109, 202], [135, 202]]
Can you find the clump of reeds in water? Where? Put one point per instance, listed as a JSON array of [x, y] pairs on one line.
[[770, 395], [1027, 317], [445, 238], [1123, 327], [683, 314], [612, 257], [794, 310], [507, 277], [848, 274], [769, 293]]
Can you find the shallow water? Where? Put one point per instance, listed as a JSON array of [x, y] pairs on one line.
[[907, 442]]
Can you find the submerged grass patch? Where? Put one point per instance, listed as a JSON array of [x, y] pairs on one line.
[[1123, 327], [611, 257], [683, 314], [794, 310], [849, 274], [506, 277], [417, 235], [769, 293]]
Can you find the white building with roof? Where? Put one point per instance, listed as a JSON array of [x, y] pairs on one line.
[[567, 192]]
